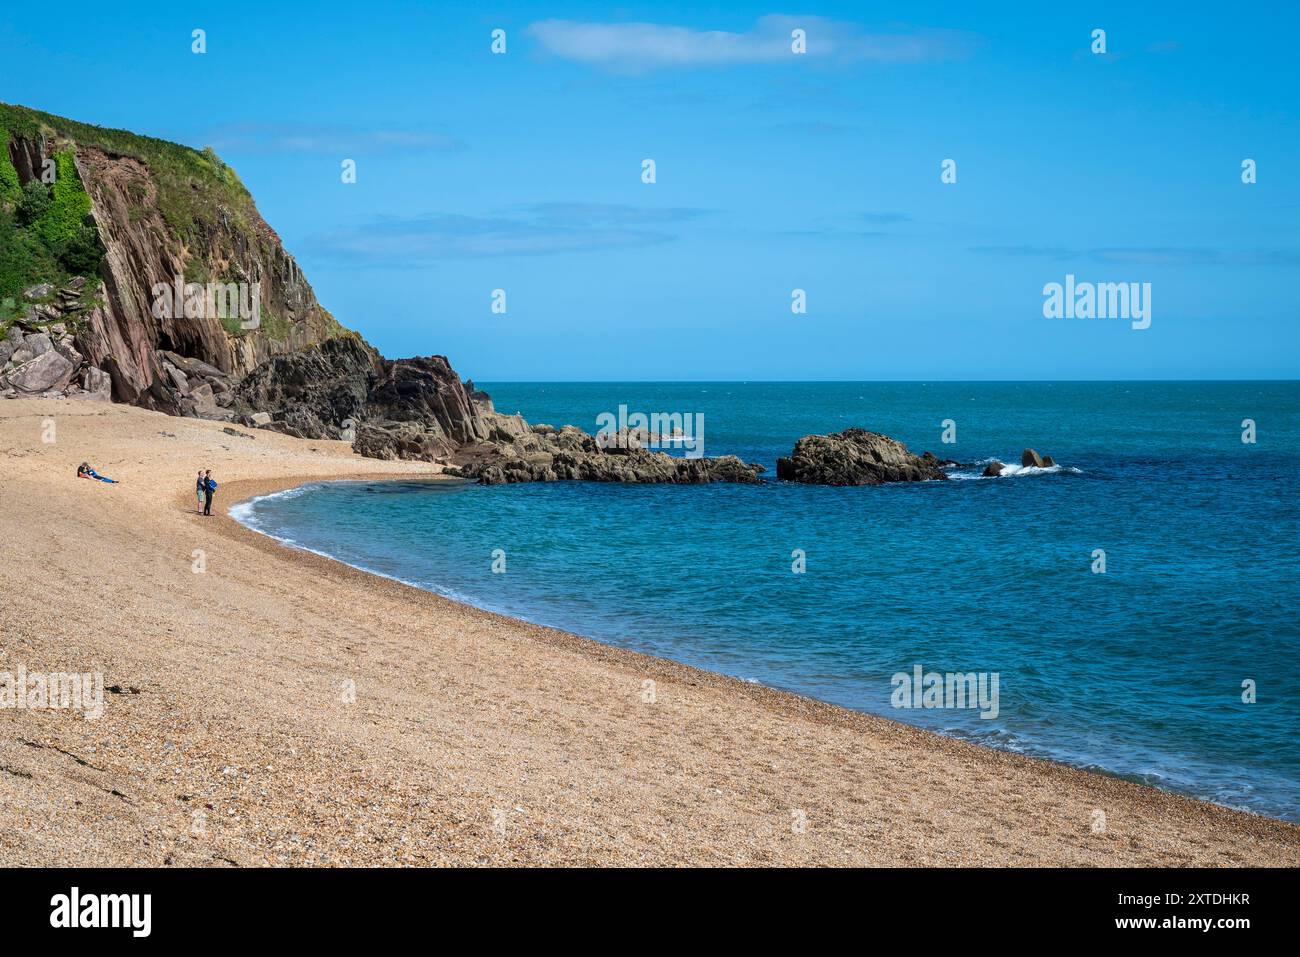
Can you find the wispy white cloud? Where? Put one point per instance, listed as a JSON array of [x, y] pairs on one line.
[[887, 219], [606, 214], [528, 230], [1152, 255], [324, 139], [630, 47]]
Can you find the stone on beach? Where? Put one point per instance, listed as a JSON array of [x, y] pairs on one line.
[[38, 343], [46, 372], [97, 384]]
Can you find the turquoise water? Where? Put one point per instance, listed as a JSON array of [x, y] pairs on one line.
[[1138, 671]]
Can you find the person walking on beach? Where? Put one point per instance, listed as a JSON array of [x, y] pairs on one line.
[[198, 491], [209, 487]]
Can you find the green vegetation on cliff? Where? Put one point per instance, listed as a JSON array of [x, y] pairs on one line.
[[44, 232], [45, 235], [9, 186], [192, 184]]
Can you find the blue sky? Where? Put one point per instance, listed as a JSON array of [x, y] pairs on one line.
[[775, 171]]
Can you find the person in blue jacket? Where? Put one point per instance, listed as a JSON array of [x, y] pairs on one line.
[[209, 487]]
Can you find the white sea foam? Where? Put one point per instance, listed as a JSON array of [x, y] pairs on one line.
[[1013, 471], [244, 513]]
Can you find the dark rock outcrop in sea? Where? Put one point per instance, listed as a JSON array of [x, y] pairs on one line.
[[1031, 458], [344, 389], [543, 453], [420, 409], [856, 457]]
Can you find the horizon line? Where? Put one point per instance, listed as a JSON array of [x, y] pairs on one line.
[[479, 380]]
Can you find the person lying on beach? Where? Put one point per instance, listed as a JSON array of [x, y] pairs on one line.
[[85, 471]]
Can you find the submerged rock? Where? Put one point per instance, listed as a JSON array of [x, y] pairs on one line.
[[856, 457]]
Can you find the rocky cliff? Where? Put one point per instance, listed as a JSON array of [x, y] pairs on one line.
[[140, 269], [164, 216]]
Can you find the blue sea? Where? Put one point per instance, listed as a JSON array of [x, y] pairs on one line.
[[1139, 671]]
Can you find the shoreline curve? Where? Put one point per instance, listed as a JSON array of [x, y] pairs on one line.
[[783, 700]]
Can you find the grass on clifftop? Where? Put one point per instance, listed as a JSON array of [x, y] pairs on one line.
[[195, 187], [192, 184]]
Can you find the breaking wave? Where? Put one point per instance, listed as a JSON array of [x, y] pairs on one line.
[[1010, 470]]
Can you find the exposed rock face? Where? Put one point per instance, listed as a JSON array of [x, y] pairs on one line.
[[409, 408], [122, 334], [478, 396], [47, 372], [1031, 458], [545, 454], [38, 343], [342, 388], [993, 469], [420, 409], [97, 384], [423, 404], [930, 459], [855, 457], [42, 360], [311, 393], [141, 252]]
